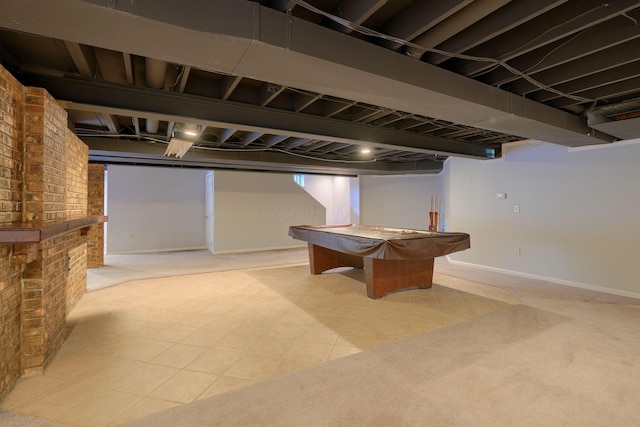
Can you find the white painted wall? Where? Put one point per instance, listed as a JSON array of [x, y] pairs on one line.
[[253, 211], [578, 219], [398, 201], [334, 193], [354, 200], [154, 209]]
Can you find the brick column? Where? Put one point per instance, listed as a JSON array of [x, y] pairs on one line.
[[95, 242], [11, 155], [55, 189], [43, 179]]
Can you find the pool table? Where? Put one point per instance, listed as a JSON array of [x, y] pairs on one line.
[[393, 258]]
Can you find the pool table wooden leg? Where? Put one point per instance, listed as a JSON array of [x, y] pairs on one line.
[[323, 259], [385, 276]]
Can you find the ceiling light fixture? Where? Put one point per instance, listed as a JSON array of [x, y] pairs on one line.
[[177, 148], [365, 151], [190, 130]]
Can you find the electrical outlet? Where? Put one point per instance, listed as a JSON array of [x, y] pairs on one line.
[[516, 208], [517, 250], [132, 236]]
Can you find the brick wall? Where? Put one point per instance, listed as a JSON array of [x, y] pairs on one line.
[[43, 178], [76, 281], [34, 188], [56, 164], [52, 284], [76, 175], [55, 182], [11, 150], [95, 242], [10, 321]]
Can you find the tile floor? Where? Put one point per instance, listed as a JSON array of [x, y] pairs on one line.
[[152, 344]]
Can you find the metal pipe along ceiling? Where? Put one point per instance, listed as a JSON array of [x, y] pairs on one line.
[[155, 72]]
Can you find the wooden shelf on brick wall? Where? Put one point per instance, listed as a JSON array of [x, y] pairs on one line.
[[36, 232]]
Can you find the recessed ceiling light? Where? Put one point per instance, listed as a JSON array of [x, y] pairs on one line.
[[365, 151]]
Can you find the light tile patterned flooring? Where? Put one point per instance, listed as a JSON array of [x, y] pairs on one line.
[[152, 344]]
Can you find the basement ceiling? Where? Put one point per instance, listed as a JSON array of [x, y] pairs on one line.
[[329, 86]]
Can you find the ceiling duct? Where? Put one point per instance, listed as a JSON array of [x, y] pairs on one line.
[[621, 120], [155, 72]]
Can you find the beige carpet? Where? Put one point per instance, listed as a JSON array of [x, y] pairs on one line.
[[518, 366], [16, 419]]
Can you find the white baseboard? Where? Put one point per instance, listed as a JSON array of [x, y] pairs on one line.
[[273, 248], [149, 251], [602, 289]]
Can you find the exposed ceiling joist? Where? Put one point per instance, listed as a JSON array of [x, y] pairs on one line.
[[269, 92], [183, 78], [250, 137], [355, 12], [564, 24], [302, 60], [514, 13], [128, 67], [419, 16], [133, 152], [302, 101], [140, 101], [110, 123], [611, 35], [287, 76], [79, 58], [136, 126], [454, 24], [229, 84]]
